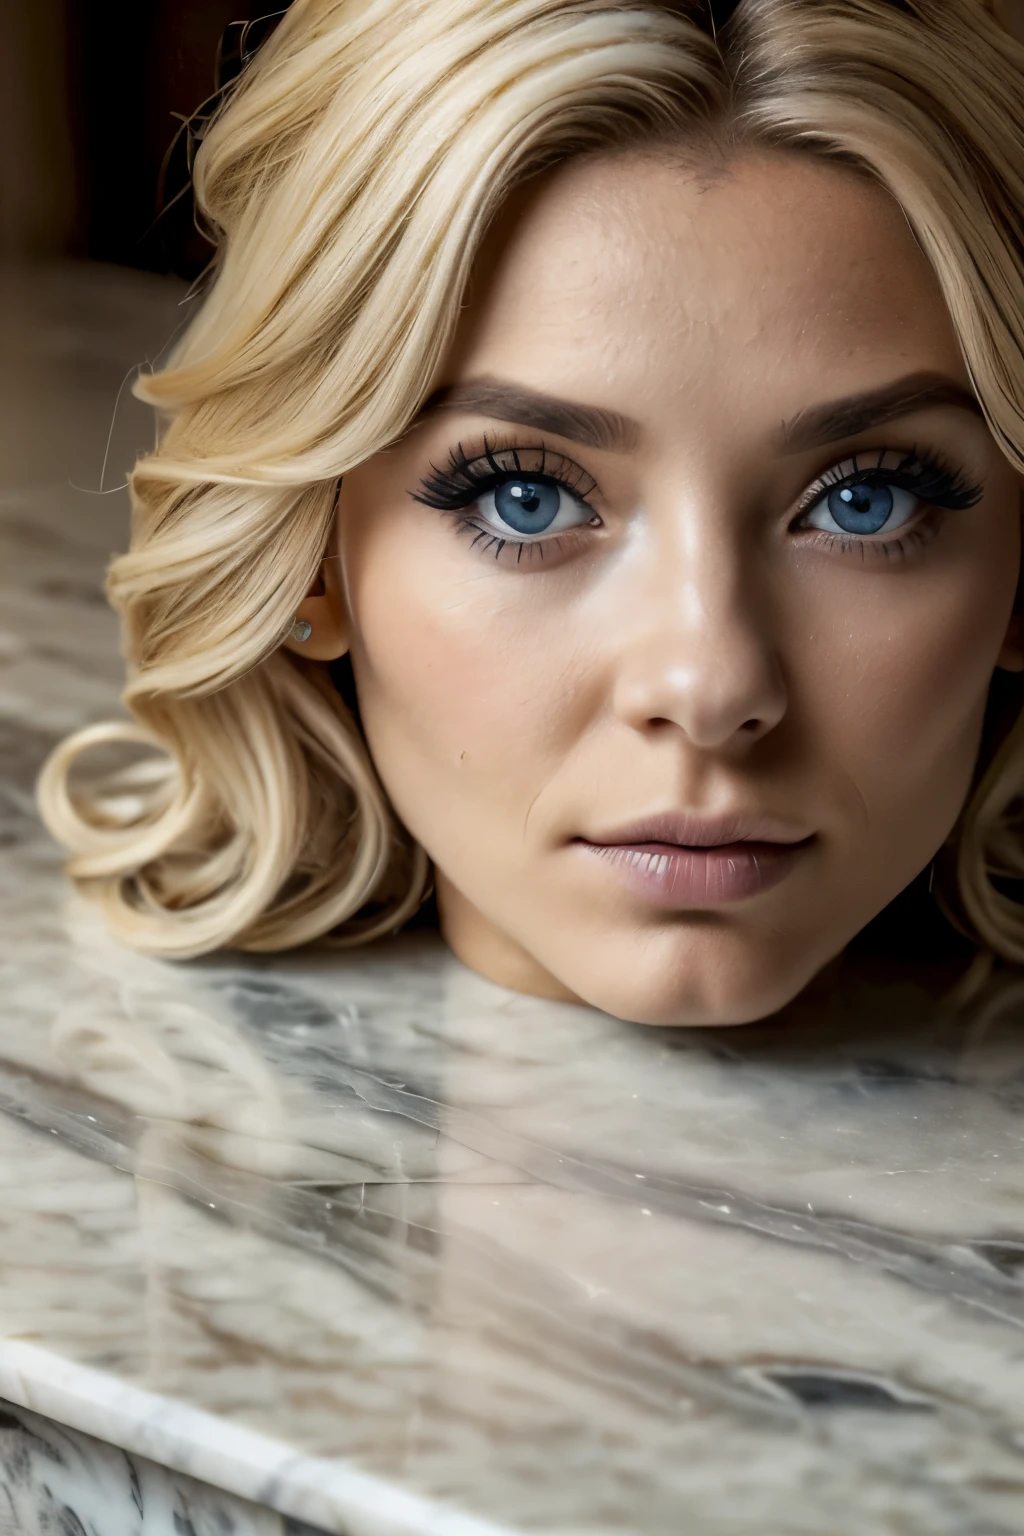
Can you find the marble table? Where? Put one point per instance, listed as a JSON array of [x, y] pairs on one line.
[[364, 1243]]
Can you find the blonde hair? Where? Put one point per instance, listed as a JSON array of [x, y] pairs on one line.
[[349, 179]]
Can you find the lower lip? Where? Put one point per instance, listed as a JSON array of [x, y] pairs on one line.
[[677, 878]]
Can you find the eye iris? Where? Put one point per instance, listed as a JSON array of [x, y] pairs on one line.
[[863, 508], [528, 506]]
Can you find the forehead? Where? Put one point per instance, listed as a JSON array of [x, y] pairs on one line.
[[643, 272]]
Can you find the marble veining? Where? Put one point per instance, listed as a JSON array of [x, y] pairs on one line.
[[55, 1481], [374, 1245]]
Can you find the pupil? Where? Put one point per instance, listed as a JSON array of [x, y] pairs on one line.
[[528, 506], [861, 508]]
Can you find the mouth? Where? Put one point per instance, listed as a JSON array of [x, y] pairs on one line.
[[680, 861]]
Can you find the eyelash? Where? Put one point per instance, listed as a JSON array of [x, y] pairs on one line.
[[466, 477], [933, 480]]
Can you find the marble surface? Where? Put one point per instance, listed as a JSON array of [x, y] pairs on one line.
[[373, 1244], [55, 1481]]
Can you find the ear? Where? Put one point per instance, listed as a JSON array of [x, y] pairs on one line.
[[325, 610]]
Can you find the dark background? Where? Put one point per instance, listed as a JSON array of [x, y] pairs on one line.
[[92, 94]]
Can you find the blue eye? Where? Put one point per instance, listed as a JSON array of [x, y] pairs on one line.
[[863, 507], [526, 505], [509, 504], [530, 506]]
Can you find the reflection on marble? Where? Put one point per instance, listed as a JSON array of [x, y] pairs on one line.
[[369, 1241]]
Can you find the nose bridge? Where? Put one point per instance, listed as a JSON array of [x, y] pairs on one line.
[[703, 655]]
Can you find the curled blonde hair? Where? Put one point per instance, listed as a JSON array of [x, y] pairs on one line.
[[349, 179]]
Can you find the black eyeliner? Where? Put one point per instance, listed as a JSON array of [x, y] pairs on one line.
[[927, 475], [466, 477]]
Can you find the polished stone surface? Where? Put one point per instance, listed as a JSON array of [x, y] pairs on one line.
[[56, 1481], [373, 1243]]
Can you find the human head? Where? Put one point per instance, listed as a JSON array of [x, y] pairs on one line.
[[354, 175]]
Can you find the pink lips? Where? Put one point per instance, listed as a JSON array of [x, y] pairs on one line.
[[679, 860]]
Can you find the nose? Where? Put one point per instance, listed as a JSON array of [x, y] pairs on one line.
[[702, 659]]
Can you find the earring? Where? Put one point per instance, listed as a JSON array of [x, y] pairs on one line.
[[301, 630]]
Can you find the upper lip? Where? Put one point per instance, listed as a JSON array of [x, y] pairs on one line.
[[691, 829]]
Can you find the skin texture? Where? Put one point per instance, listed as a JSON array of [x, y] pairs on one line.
[[692, 648]]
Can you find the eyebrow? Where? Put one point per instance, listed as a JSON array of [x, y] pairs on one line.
[[824, 424], [589, 425], [594, 427]]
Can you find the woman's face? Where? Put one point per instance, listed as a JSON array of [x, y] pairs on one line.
[[673, 617]]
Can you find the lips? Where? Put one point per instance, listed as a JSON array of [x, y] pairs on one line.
[[680, 861]]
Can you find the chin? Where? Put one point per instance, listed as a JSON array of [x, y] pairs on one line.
[[697, 991]]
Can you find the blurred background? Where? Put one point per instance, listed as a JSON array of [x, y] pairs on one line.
[[97, 251], [92, 96]]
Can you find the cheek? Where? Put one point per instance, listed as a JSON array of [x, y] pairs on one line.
[[900, 689], [464, 681]]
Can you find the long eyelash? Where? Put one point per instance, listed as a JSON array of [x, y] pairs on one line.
[[899, 547], [488, 540], [467, 476], [928, 475], [534, 549]]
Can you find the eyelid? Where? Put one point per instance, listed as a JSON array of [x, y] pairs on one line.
[[461, 480], [554, 465], [838, 474], [927, 473]]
